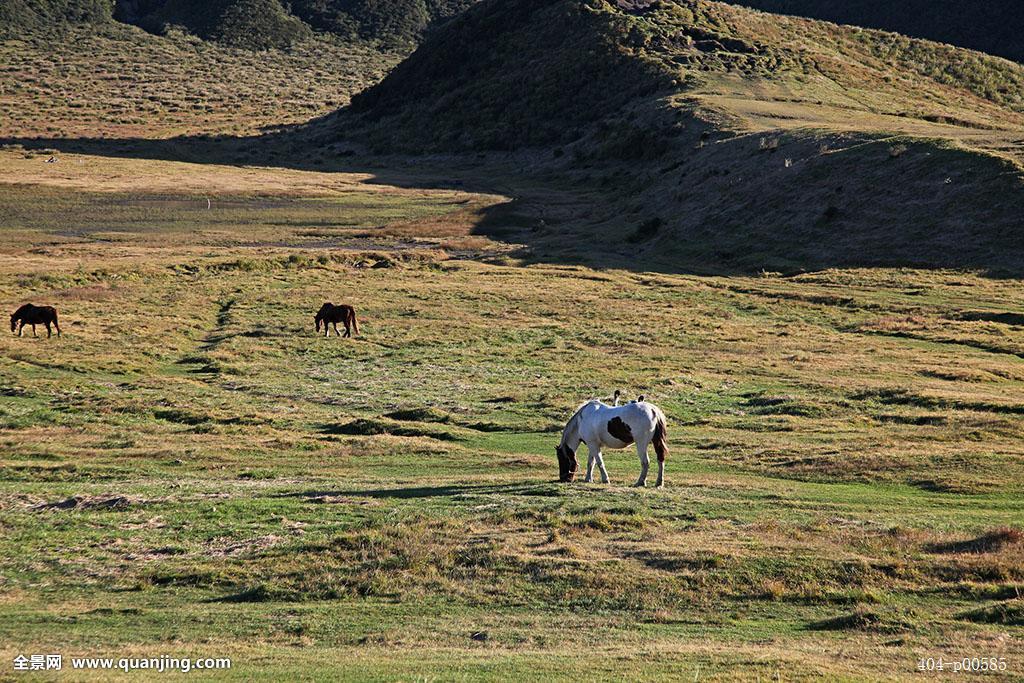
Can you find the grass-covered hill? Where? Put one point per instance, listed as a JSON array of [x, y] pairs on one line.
[[18, 16], [254, 24], [513, 74], [723, 135], [993, 26], [271, 23], [116, 81]]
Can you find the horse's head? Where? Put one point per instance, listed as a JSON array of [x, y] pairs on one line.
[[321, 314], [14, 319], [567, 464]]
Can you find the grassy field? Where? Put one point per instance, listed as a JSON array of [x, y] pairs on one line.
[[117, 81], [191, 471]]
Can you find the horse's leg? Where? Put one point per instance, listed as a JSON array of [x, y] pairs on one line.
[[600, 466], [57, 325], [49, 332], [21, 327], [645, 462], [34, 330], [591, 459], [348, 332]]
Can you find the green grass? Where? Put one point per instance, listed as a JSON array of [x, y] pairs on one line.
[[191, 470], [231, 484]]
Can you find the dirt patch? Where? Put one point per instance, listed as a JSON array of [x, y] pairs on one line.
[[1009, 613], [914, 420], [1002, 318], [868, 620], [229, 547], [329, 499], [100, 292], [420, 415], [989, 542], [89, 503], [370, 427], [764, 404]]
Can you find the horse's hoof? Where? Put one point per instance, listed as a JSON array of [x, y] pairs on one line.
[[640, 485]]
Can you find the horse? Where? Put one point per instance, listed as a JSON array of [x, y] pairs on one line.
[[331, 314], [600, 425], [35, 315]]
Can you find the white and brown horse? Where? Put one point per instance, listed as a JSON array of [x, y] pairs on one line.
[[599, 425], [34, 315]]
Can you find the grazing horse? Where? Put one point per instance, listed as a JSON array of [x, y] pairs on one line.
[[331, 314], [597, 424], [35, 315]]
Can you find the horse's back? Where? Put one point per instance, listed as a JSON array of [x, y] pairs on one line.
[[31, 313], [618, 426], [336, 311]]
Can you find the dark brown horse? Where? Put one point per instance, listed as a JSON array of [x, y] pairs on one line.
[[35, 315], [330, 314]]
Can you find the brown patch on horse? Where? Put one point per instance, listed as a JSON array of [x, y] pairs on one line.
[[659, 440], [567, 464], [620, 430]]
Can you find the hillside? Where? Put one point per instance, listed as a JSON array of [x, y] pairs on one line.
[[72, 83], [738, 138], [252, 24], [994, 26], [18, 16], [271, 23]]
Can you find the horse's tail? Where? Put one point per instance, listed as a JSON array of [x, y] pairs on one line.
[[53, 314], [659, 440], [355, 323]]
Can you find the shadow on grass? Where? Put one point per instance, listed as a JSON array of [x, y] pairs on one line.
[[602, 214], [443, 491], [989, 542]]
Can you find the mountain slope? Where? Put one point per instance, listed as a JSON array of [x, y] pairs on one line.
[[507, 74], [255, 24], [994, 26], [17, 16], [718, 135], [272, 23]]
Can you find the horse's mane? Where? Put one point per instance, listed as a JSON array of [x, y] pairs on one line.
[[575, 415], [584, 405]]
